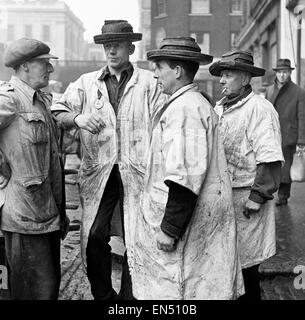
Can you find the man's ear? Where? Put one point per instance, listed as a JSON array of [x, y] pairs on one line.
[[178, 71], [132, 48], [25, 66]]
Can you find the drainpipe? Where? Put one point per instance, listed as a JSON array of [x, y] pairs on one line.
[[299, 42]]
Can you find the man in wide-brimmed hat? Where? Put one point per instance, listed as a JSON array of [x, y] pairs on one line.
[[186, 244], [289, 101], [250, 130], [113, 107], [33, 217]]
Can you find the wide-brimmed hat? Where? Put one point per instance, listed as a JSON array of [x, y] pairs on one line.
[[24, 49], [236, 60], [180, 48], [117, 30], [283, 64]]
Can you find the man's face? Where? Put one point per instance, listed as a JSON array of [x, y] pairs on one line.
[[166, 77], [283, 75], [232, 82], [117, 53], [39, 71]]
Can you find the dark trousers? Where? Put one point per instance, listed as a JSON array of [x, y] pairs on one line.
[[252, 284], [98, 249], [33, 263], [284, 191]]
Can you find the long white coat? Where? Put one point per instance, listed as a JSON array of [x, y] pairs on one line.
[[251, 135], [124, 141], [186, 149]]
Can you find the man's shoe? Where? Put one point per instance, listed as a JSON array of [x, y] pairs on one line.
[[281, 202]]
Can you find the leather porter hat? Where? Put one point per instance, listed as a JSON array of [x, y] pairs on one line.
[[24, 49], [180, 48], [236, 60], [117, 30], [283, 64]]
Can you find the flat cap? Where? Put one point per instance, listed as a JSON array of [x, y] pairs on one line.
[[22, 50]]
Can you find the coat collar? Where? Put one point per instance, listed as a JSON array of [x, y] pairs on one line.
[[180, 91], [240, 103]]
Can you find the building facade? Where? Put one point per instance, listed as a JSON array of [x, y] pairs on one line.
[[213, 23], [50, 21], [273, 29]]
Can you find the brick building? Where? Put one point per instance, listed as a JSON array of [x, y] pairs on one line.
[[213, 23]]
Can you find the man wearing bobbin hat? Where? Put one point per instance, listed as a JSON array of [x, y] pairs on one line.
[[186, 244], [113, 108], [250, 129], [289, 101], [33, 217]]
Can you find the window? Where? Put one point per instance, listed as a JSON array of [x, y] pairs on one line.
[[236, 6], [46, 33], [203, 40], [10, 32], [28, 31], [161, 7], [233, 39], [200, 6]]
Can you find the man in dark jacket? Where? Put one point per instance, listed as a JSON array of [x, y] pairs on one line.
[[289, 101]]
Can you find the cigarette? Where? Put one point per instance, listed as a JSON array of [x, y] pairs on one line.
[[223, 90]]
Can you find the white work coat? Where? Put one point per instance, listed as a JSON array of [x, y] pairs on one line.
[[251, 135], [124, 141], [186, 149]]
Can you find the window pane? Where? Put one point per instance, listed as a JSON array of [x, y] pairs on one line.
[[10, 32], [236, 6], [28, 31], [200, 6], [46, 33], [161, 4]]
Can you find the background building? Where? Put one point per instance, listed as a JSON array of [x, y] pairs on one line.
[[273, 29], [50, 21], [214, 24]]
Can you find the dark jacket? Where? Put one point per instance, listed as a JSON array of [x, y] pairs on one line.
[[289, 102]]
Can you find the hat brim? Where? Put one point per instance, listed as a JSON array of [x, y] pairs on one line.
[[45, 56], [179, 55], [109, 37], [217, 67], [282, 68]]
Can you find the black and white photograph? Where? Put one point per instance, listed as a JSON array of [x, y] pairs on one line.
[[154, 151]]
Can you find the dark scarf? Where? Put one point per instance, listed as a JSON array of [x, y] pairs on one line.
[[234, 98]]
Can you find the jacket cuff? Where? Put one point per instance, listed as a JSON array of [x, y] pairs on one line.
[[171, 230], [256, 197]]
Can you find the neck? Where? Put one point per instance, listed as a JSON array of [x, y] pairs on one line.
[[117, 71], [179, 86]]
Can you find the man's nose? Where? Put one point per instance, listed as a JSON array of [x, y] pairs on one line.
[[50, 68], [222, 80]]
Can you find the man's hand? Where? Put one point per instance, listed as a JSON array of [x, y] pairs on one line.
[[165, 242], [92, 122], [3, 181], [64, 227], [251, 207], [300, 147]]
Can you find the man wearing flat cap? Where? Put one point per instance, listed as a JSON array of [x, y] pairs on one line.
[[186, 244], [250, 129], [113, 108], [33, 215], [289, 101]]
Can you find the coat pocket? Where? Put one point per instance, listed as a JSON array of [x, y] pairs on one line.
[[33, 129]]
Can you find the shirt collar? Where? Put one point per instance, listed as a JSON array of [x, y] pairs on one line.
[[26, 89], [106, 72]]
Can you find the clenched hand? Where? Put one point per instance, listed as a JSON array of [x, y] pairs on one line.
[[91, 122], [251, 207], [165, 242]]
